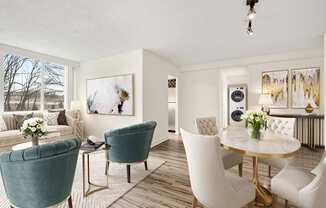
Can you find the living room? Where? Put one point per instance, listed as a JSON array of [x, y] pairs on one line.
[[84, 103]]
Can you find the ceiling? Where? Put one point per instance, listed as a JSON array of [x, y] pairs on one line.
[[186, 32]]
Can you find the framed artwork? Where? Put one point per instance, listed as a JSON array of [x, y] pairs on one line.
[[111, 95], [305, 87], [276, 83]]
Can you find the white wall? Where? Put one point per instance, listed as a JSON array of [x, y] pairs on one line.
[[203, 88], [150, 88], [127, 63], [324, 83], [155, 92], [199, 96]]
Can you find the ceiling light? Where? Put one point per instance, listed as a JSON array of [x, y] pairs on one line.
[[251, 13], [249, 29]]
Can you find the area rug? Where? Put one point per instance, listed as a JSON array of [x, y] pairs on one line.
[[117, 180]]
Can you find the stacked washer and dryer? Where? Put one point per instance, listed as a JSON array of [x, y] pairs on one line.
[[237, 99]]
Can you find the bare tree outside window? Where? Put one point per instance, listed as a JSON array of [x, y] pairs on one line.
[[23, 84], [54, 86]]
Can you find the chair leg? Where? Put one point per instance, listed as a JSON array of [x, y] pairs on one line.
[[269, 171], [194, 202], [240, 166], [70, 202], [145, 163], [107, 165], [286, 203], [128, 173]]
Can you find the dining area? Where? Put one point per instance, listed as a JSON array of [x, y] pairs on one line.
[[235, 167]]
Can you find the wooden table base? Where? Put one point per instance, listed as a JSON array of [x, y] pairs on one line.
[[263, 195]]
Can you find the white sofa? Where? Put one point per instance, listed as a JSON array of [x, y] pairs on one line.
[[13, 135]]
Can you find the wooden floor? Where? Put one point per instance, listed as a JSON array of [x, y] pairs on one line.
[[169, 186]]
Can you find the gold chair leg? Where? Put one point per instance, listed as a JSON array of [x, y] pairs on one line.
[[194, 202], [269, 171], [240, 167]]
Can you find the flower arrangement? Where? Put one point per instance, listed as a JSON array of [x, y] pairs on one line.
[[255, 120], [34, 128]]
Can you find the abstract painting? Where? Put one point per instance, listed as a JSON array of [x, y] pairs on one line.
[[276, 84], [111, 95], [305, 87]]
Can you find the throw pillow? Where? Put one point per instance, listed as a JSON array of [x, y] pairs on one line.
[[3, 126], [62, 120], [51, 118], [21, 118]]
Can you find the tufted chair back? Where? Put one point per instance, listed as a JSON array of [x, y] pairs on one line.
[[281, 126], [206, 126], [40, 176]]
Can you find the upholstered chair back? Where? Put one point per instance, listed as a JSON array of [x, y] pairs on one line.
[[313, 195], [281, 126], [206, 126], [208, 181], [40, 176], [130, 144]]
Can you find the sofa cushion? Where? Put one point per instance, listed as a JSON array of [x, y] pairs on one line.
[[51, 118], [3, 126], [62, 129], [21, 118]]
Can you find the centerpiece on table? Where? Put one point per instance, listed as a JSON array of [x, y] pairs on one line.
[[256, 121], [34, 129]]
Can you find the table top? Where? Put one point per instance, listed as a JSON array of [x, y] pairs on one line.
[[269, 146]]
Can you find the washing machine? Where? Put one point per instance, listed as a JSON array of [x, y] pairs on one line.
[[237, 99]]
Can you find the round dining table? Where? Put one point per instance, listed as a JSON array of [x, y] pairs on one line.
[[268, 146]]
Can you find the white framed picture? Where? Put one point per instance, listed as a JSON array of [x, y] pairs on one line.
[[111, 95]]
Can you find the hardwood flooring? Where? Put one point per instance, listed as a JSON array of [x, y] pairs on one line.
[[169, 186]]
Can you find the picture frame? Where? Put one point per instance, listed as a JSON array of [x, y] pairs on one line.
[[305, 87], [276, 83], [111, 95]]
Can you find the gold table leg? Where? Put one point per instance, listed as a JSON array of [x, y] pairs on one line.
[[91, 187], [263, 195]]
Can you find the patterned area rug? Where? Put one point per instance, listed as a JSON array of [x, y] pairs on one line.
[[117, 180]]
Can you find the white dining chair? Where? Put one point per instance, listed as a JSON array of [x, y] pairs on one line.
[[284, 127], [211, 184], [207, 126], [300, 187]]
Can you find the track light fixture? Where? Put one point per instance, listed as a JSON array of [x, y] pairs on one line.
[[251, 15], [249, 30]]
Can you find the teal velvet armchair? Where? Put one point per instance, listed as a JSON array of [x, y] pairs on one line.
[[41, 176], [129, 145]]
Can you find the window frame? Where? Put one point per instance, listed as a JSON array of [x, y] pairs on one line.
[[43, 59]]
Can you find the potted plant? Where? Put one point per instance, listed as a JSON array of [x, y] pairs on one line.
[[255, 121], [34, 128]]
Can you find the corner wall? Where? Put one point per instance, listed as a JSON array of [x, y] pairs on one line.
[[105, 67], [155, 92]]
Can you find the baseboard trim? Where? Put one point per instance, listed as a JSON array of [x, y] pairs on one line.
[[159, 142]]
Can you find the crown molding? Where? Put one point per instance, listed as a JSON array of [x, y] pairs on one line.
[[243, 62]]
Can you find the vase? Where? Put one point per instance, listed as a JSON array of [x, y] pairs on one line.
[[254, 133], [35, 141], [309, 108]]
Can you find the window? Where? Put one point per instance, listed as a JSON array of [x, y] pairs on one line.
[[54, 86], [30, 84]]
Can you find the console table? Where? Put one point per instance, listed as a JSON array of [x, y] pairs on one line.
[[309, 129]]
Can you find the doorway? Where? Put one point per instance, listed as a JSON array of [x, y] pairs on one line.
[[172, 105]]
